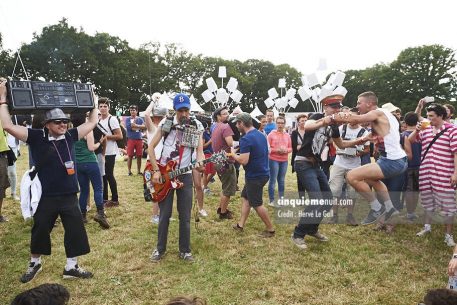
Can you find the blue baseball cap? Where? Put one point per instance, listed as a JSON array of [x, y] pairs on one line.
[[181, 101]]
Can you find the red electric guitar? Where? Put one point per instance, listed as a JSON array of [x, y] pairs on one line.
[[169, 175]]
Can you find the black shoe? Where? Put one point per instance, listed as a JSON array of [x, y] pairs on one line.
[[100, 217], [237, 228], [130, 174], [226, 215], [76, 273], [111, 204], [31, 272]]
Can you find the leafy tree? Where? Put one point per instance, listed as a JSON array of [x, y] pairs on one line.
[[424, 71]]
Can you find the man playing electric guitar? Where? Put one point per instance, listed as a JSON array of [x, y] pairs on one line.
[[183, 143]]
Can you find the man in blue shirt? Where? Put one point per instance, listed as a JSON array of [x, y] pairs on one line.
[[254, 158]]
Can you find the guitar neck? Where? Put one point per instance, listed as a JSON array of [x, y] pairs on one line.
[[183, 170]]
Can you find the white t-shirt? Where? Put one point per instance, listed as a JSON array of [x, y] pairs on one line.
[[111, 146], [344, 161], [171, 147]]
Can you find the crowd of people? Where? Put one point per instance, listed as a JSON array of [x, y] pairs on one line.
[[369, 151]]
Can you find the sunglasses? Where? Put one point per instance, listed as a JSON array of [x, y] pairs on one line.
[[58, 122], [335, 106]]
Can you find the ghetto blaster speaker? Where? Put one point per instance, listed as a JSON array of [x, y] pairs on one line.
[[30, 96]]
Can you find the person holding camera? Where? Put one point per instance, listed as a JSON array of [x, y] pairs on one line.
[[437, 171], [54, 155]]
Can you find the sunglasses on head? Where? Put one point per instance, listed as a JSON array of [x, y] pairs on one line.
[[58, 122]]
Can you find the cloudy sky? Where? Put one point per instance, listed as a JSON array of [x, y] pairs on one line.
[[345, 34]]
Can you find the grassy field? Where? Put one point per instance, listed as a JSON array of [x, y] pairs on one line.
[[357, 265]]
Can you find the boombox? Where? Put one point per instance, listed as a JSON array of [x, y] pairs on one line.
[[30, 96]]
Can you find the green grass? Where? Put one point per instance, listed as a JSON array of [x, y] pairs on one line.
[[357, 266]]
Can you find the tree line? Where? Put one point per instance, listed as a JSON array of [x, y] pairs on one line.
[[127, 75]]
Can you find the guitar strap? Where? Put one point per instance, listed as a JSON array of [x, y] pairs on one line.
[[181, 152]]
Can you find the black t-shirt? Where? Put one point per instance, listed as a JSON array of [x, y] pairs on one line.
[[51, 168], [306, 148]]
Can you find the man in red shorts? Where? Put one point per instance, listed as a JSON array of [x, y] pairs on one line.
[[134, 125]]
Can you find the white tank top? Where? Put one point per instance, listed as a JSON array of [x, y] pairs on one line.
[[394, 151]]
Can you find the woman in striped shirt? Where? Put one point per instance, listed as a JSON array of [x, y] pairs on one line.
[[438, 169]]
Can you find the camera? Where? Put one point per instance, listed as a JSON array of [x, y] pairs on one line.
[[29, 96]]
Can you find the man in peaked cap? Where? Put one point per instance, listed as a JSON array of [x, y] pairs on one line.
[[319, 129]]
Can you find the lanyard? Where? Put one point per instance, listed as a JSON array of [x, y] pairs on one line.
[[60, 157]]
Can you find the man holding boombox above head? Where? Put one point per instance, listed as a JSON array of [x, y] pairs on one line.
[[54, 156]]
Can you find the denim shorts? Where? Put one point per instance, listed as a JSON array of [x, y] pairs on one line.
[[391, 168]]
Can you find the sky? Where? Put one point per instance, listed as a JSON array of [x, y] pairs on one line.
[[344, 34]]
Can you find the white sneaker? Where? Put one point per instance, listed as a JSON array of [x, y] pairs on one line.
[[206, 191], [424, 231], [15, 198], [271, 203], [203, 213], [449, 240], [155, 219]]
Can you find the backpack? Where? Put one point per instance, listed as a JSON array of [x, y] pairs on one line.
[[122, 143], [320, 141], [345, 128]]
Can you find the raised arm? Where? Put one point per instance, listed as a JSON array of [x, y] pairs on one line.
[[147, 118], [420, 106], [311, 125], [17, 131], [89, 125], [91, 145], [356, 119]]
